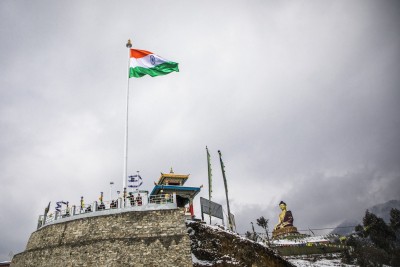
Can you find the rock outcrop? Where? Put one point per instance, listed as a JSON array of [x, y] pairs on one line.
[[212, 246]]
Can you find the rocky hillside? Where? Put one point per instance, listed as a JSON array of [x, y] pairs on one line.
[[212, 246]]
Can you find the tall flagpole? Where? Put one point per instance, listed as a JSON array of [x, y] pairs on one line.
[[209, 183], [128, 45]]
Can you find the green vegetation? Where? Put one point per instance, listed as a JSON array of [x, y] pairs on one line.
[[375, 243]]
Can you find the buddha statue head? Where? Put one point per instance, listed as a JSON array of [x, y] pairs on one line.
[[282, 205]]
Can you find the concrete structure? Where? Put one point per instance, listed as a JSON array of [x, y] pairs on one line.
[[114, 238]]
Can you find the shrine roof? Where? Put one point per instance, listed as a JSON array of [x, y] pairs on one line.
[[179, 190], [172, 177]]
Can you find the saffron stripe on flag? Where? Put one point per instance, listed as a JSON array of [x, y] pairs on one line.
[[136, 53]]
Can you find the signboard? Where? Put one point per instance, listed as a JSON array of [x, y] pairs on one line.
[[211, 208]]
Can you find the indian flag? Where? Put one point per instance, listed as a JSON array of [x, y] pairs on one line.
[[143, 62]]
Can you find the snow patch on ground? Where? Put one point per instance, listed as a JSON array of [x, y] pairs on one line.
[[201, 262], [229, 260], [222, 228], [304, 240], [317, 261]]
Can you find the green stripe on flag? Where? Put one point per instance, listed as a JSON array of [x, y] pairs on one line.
[[158, 70]]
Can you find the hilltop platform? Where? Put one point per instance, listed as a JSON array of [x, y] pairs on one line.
[[157, 202]]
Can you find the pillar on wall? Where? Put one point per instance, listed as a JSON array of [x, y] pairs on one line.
[[40, 221], [125, 195], [191, 210]]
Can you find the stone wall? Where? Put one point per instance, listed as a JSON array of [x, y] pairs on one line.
[[136, 238]]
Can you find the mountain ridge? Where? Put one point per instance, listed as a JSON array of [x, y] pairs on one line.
[[381, 210]]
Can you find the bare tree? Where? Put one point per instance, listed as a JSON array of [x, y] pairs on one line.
[[254, 235]]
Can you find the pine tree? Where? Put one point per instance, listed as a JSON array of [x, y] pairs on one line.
[[379, 232], [395, 219], [374, 242]]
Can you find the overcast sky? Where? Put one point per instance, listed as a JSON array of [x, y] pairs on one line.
[[301, 97]]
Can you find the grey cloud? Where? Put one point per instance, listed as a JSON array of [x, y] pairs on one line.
[[302, 99]]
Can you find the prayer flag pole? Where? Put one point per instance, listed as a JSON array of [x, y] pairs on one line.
[[128, 45], [226, 191]]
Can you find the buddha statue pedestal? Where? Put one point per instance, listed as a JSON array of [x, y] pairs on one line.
[[285, 231]]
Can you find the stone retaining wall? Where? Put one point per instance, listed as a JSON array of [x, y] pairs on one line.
[[136, 238]]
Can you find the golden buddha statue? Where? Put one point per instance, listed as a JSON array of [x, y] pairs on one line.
[[285, 223], [285, 217]]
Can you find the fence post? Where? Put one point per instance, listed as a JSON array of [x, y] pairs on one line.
[[40, 223], [125, 195], [174, 196], [73, 210]]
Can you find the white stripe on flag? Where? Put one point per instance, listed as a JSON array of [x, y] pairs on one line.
[[148, 61]]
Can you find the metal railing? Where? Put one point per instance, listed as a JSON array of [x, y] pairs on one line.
[[161, 199], [120, 204]]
